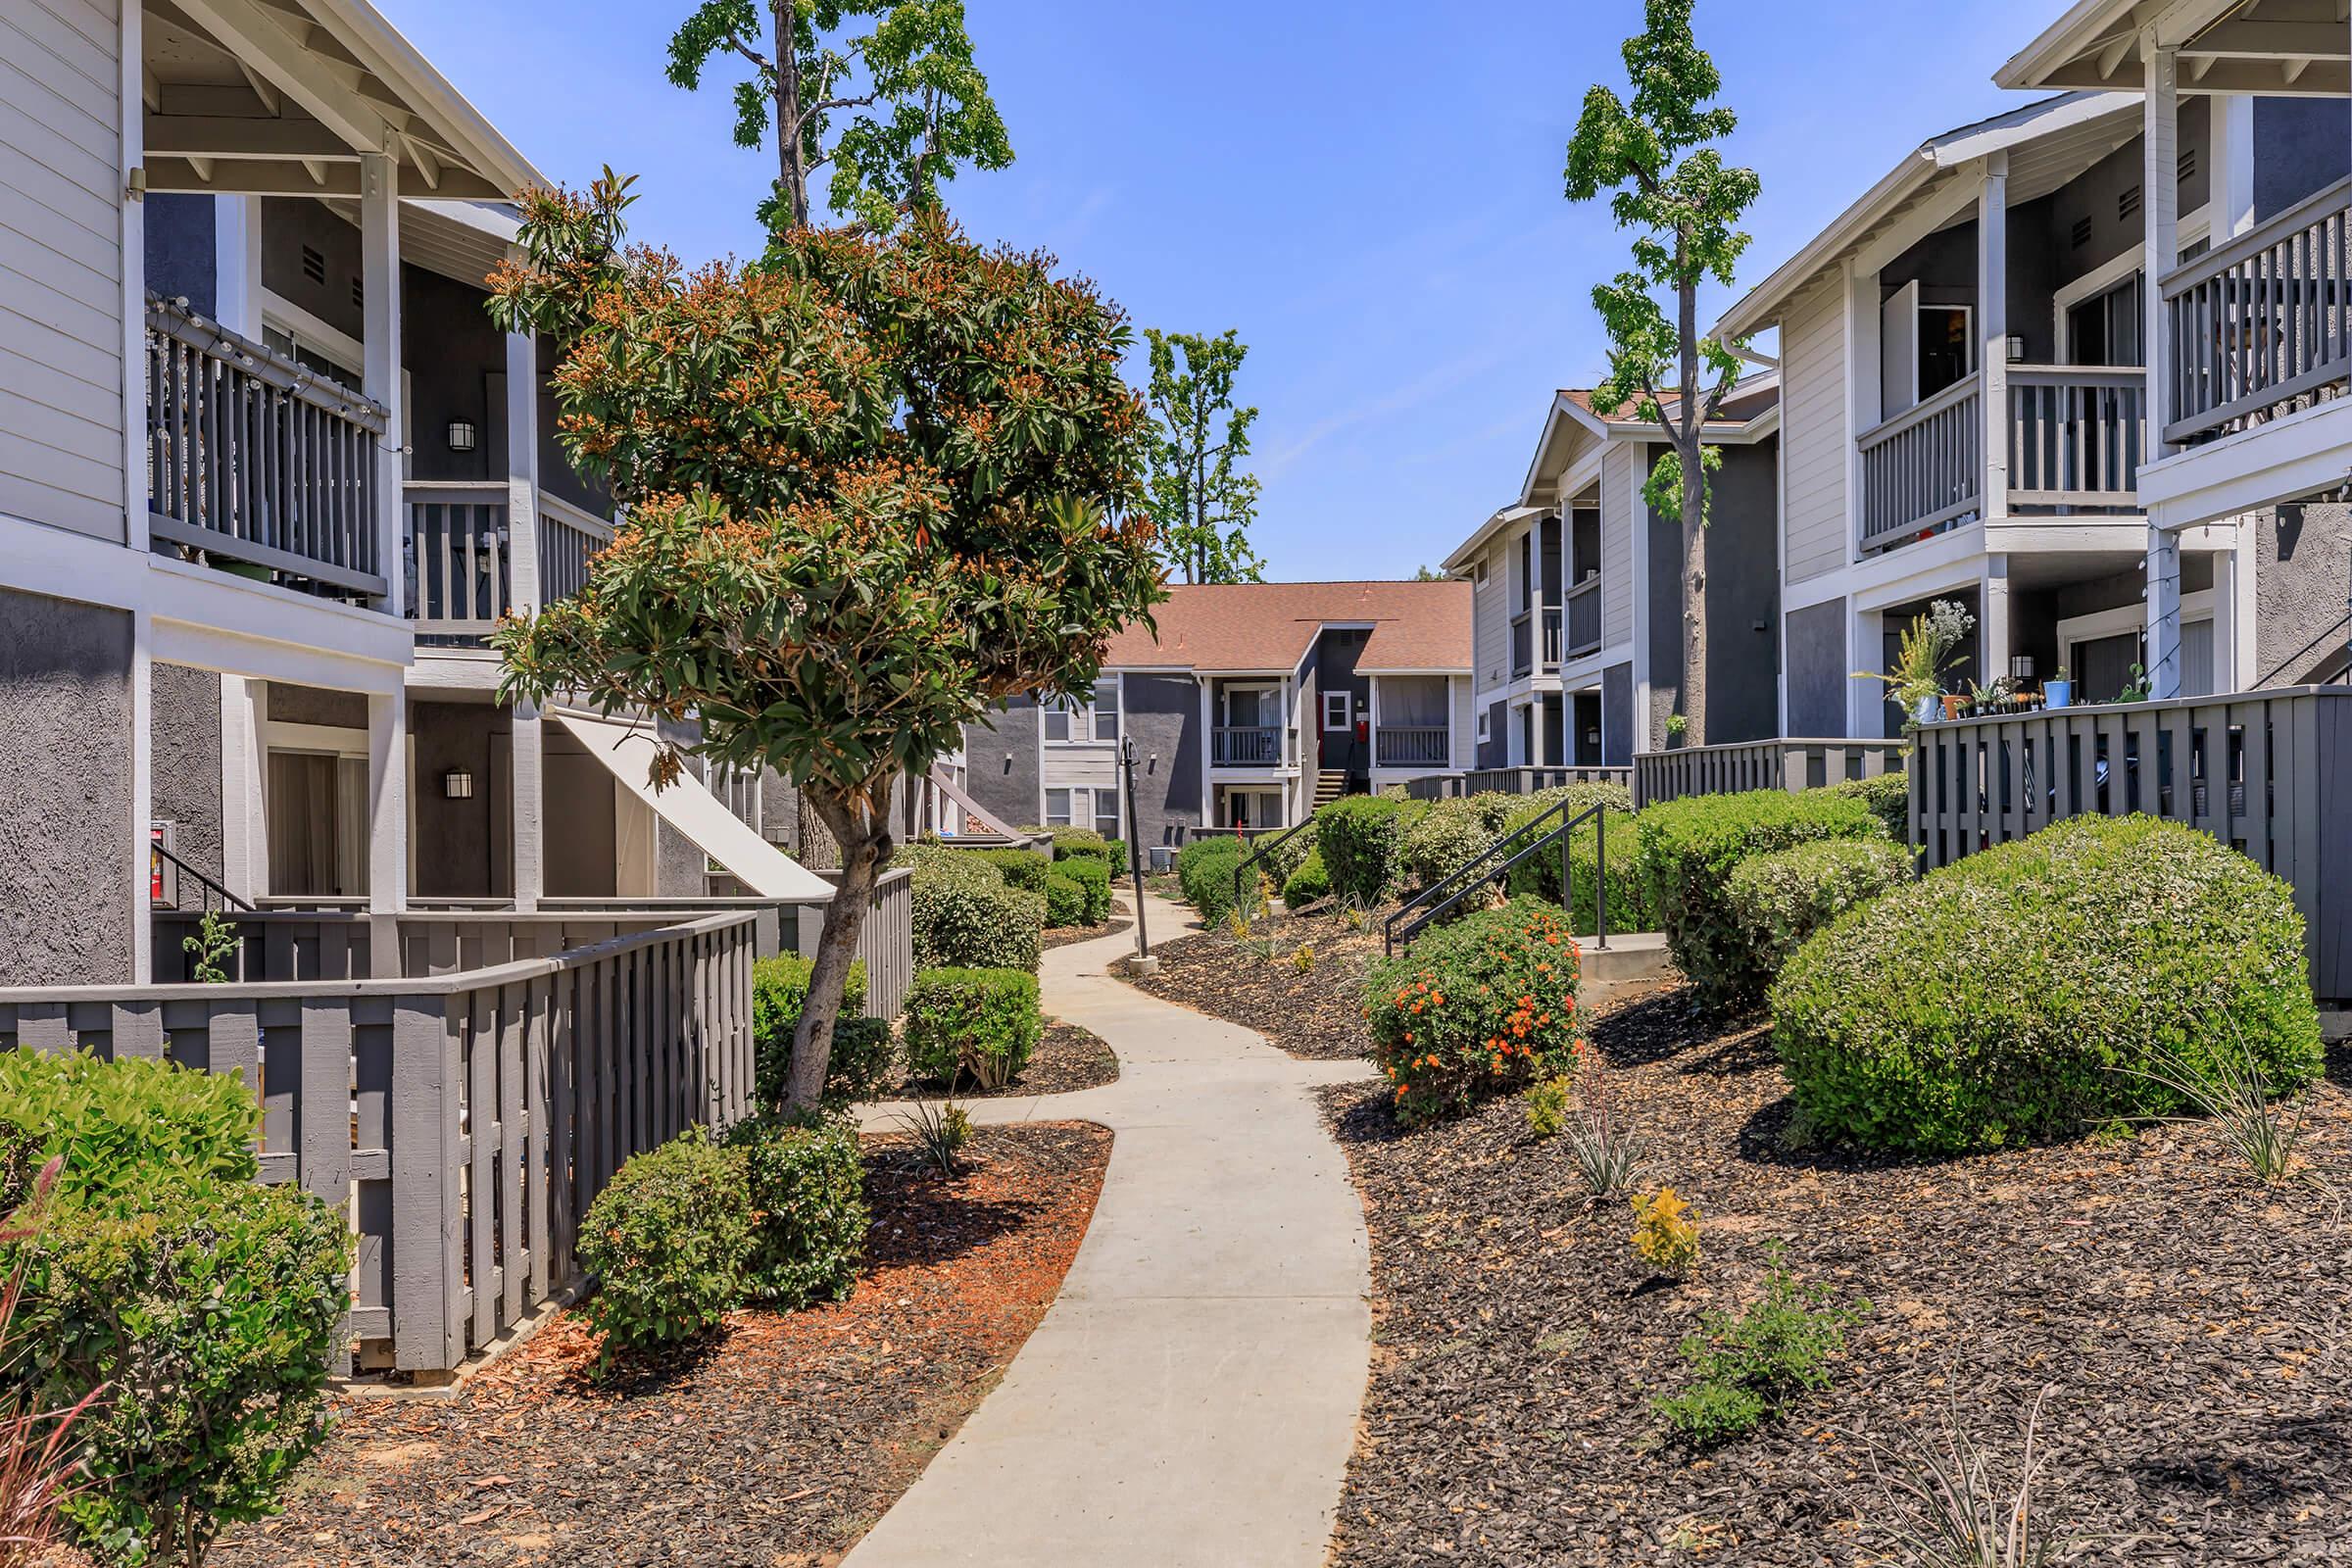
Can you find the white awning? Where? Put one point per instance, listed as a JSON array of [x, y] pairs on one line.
[[628, 750]]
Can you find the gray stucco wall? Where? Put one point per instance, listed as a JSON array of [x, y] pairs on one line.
[[1617, 716], [185, 740], [317, 704], [1496, 749], [65, 792], [1001, 764], [1163, 719], [2302, 579], [1817, 670], [1742, 603], [463, 848], [2300, 145]]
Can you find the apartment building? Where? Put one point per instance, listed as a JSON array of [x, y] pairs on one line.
[[1249, 704], [1576, 590]]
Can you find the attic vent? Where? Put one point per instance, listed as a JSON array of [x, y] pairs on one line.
[[2187, 168], [2126, 206], [358, 295], [314, 265], [2082, 232]]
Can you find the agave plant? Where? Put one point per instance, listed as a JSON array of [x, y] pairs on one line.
[[940, 1134], [1947, 1508], [2236, 1098]]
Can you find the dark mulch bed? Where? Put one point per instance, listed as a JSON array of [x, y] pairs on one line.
[[780, 1446], [2193, 1324], [1061, 936], [1067, 1059], [1315, 1012]]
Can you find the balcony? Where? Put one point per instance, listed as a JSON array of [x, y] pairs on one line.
[[2261, 325], [1583, 611], [1410, 746], [2076, 438], [1254, 745], [266, 468], [460, 557]]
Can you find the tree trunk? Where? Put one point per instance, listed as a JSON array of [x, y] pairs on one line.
[[862, 830], [792, 177], [1692, 422]]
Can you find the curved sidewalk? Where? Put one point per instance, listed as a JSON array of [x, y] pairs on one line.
[[1191, 1397]]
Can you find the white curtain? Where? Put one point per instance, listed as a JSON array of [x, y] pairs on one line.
[[1415, 701]]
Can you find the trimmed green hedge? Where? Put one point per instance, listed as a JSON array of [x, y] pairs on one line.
[[806, 1188], [1539, 876], [1065, 902], [1449, 833], [1363, 840], [963, 913], [1093, 878], [980, 1024], [1307, 885], [1888, 795], [1020, 869], [118, 1122], [1484, 1006], [1780, 899], [2007, 997], [1204, 873], [1689, 850], [863, 1054]]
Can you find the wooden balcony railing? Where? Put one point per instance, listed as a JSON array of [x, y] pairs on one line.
[[1410, 745], [2077, 437], [2261, 325], [568, 537], [1924, 466], [460, 549], [1583, 606], [258, 461], [1778, 764], [1523, 644], [1244, 747]]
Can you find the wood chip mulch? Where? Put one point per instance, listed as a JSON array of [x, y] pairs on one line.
[[778, 1447], [1061, 936], [1067, 1059], [2191, 1324], [1315, 1012]]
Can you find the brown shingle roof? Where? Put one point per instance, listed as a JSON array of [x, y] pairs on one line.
[[1269, 625], [1743, 405]]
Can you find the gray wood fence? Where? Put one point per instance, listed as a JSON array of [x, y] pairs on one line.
[[1780, 763], [1511, 781], [2251, 769], [465, 1120]]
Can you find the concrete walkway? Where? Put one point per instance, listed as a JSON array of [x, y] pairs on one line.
[[1192, 1395]]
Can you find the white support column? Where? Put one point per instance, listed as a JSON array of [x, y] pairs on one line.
[[1865, 649], [1863, 322], [1535, 729], [1993, 620], [522, 470], [244, 813], [387, 802], [526, 816], [142, 799], [131, 200], [380, 379], [2160, 196], [2234, 609], [1992, 331], [237, 265], [2232, 165]]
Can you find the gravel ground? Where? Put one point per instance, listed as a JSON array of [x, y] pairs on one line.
[[778, 1447], [2191, 1327]]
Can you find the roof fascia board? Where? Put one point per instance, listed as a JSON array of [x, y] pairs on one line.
[[372, 39]]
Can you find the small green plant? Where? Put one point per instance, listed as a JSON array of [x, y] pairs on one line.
[[1946, 1508], [805, 1183], [1602, 1139], [940, 1135], [1666, 1233], [1303, 958], [1677, 726], [211, 949], [2235, 1096], [1547, 1105], [975, 1024], [2136, 689], [1749, 1367], [666, 1239]]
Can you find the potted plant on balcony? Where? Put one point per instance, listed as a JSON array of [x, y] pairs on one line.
[[1924, 657], [2058, 691]]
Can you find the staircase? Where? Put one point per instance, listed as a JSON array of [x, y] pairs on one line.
[[1329, 784]]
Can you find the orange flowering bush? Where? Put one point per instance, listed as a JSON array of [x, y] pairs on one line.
[[1484, 1006]]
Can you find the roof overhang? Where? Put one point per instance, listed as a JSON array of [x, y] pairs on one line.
[[1503, 517], [2271, 47], [1934, 160]]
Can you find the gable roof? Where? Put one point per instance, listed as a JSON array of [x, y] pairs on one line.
[[1227, 627]]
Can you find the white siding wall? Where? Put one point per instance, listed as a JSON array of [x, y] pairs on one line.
[[1813, 433], [1491, 616], [1616, 545], [61, 265]]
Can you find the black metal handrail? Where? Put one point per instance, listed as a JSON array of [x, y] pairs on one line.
[[212, 889], [1259, 848], [1449, 890]]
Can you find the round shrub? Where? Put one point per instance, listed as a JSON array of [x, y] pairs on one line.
[[1689, 847], [1484, 1006], [667, 1240], [1286, 851], [805, 1183], [2010, 995], [1065, 902], [1448, 834], [980, 1024], [1888, 795], [1780, 900], [1363, 840], [1070, 841], [962, 920], [1309, 884], [858, 1068], [1020, 869], [205, 1310], [117, 1122], [1539, 875], [1092, 877], [1204, 873]]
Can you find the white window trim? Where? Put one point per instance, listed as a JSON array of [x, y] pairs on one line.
[[288, 316], [1085, 719], [1347, 704], [1485, 716], [2108, 273]]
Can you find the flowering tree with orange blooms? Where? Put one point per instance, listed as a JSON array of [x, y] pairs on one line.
[[874, 486]]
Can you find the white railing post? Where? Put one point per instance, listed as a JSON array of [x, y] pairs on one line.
[[387, 811], [523, 584], [1992, 335], [380, 379]]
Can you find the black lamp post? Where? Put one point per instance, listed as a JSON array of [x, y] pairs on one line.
[[1142, 962]]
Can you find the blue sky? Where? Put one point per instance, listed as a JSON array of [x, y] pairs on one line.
[[1370, 192]]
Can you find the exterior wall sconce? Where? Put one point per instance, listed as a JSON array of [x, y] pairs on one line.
[[456, 784], [2021, 667], [2016, 348], [460, 433]]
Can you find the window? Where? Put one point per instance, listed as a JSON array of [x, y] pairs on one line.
[[1070, 722], [1098, 808], [1336, 710], [1057, 807], [1946, 348], [1482, 723], [311, 352]]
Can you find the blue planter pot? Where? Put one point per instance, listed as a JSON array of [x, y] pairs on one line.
[[2058, 693]]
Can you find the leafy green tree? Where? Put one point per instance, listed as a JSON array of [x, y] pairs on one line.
[[1428, 574], [1656, 154], [1204, 502], [875, 485], [916, 104]]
